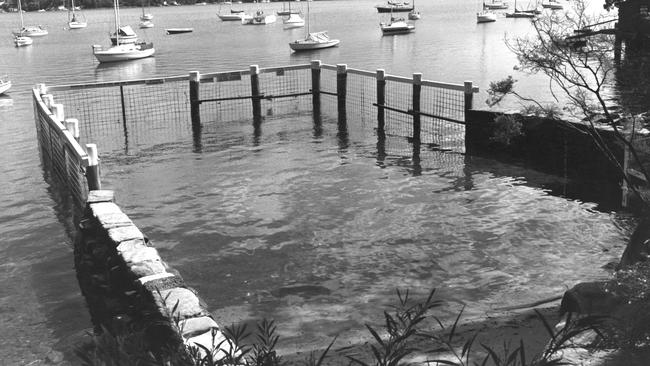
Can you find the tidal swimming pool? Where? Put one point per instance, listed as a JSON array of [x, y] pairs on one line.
[[317, 229]]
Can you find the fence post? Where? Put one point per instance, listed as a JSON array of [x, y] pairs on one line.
[[92, 170], [42, 89], [58, 112], [341, 89], [72, 125], [195, 104], [255, 92], [381, 102], [417, 90], [48, 100], [315, 84], [469, 97], [123, 110]]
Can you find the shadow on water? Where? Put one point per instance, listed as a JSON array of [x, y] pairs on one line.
[[59, 296]]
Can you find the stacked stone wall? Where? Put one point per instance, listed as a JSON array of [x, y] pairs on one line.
[[127, 284]]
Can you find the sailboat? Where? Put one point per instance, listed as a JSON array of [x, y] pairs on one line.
[[145, 16], [486, 15], [414, 14], [122, 51], [313, 41], [553, 5], [294, 21], [520, 13], [285, 12], [28, 30], [233, 15], [75, 20], [495, 5]]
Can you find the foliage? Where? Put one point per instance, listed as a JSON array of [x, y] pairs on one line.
[[506, 128], [631, 327], [582, 72], [509, 355], [403, 329]]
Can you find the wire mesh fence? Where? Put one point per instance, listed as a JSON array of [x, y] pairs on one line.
[[64, 159], [137, 114]]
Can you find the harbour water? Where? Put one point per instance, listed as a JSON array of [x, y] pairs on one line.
[[300, 228]]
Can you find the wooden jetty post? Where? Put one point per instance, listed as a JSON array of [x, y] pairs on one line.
[[469, 97], [341, 94], [341, 89], [255, 92], [195, 103], [72, 125], [381, 101], [417, 91], [315, 84], [92, 170]]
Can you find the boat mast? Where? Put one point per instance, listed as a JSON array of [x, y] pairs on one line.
[[22, 23], [307, 18], [72, 11], [117, 22]]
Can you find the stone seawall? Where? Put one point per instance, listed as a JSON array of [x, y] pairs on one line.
[[128, 286]]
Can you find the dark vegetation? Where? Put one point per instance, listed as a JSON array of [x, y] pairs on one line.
[[29, 5]]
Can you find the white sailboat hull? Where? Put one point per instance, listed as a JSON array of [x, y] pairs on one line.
[[32, 31], [77, 25], [21, 41], [123, 52], [311, 44], [231, 17], [486, 17]]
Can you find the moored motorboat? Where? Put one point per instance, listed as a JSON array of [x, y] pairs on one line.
[[553, 5], [496, 5], [5, 84], [178, 30], [486, 16], [21, 41], [396, 26], [262, 19], [231, 16], [394, 6]]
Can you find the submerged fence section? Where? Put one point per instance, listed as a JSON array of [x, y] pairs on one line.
[[424, 111]]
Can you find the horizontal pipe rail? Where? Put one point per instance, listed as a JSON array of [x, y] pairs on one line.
[[413, 113], [107, 84], [261, 96]]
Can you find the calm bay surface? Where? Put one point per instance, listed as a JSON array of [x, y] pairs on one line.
[[290, 234]]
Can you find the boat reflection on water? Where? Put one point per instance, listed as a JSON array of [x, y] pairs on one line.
[[134, 69], [6, 101]]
